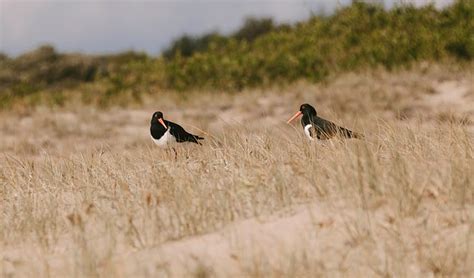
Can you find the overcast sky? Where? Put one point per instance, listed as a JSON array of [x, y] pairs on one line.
[[104, 26]]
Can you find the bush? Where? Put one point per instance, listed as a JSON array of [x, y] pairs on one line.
[[357, 36], [186, 45], [254, 28]]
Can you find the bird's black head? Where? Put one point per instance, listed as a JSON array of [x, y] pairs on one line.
[[307, 109], [157, 115], [157, 118]]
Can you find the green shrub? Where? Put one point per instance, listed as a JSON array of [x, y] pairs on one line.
[[357, 36]]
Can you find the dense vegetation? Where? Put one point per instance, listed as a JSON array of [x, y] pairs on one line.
[[259, 53], [357, 36], [187, 46]]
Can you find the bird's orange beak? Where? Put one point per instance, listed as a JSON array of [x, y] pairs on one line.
[[296, 115], [162, 122]]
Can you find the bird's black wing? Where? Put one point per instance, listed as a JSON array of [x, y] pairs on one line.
[[324, 128], [327, 129], [182, 135]]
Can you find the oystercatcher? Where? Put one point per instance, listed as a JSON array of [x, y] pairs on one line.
[[320, 128], [164, 132]]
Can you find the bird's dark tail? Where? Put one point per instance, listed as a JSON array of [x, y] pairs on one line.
[[357, 135], [194, 138], [198, 137], [350, 134]]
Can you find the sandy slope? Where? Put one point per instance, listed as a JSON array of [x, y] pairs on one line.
[[338, 240]]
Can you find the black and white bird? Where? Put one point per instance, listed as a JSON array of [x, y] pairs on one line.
[[317, 127], [164, 132]]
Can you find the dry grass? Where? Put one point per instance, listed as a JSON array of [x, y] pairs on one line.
[[85, 193]]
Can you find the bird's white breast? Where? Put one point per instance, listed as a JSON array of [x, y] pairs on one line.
[[164, 140], [307, 131]]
